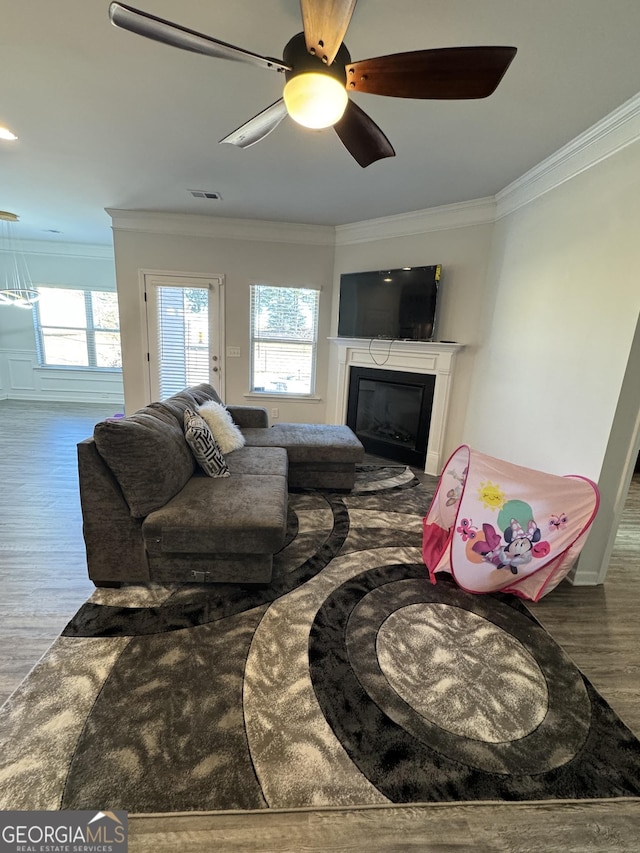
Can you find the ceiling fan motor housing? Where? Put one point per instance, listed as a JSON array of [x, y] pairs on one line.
[[301, 61]]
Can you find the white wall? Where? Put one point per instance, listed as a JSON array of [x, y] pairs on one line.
[[463, 251], [244, 253], [59, 265], [563, 296]]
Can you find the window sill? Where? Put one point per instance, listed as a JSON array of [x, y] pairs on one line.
[[282, 396]]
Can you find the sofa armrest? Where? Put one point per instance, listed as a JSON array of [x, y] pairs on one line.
[[113, 539], [249, 416]]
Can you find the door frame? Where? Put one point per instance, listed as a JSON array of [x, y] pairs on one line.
[[217, 323]]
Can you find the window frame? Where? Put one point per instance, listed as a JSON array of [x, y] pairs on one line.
[[89, 329], [266, 339]]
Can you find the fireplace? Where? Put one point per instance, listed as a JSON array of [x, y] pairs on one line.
[[416, 358], [390, 412]]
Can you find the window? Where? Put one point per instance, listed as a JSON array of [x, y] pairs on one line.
[[284, 332], [77, 328]]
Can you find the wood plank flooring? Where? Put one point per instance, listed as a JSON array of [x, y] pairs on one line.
[[43, 571], [43, 581]]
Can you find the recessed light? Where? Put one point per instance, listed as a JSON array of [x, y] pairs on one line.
[[7, 135]]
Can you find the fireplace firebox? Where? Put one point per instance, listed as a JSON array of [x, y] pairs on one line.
[[390, 412]]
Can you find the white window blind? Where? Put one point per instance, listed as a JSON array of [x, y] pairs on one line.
[[183, 337], [77, 328], [284, 332]]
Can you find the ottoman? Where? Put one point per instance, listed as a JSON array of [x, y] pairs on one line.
[[321, 456]]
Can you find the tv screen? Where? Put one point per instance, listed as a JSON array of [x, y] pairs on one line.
[[394, 304]]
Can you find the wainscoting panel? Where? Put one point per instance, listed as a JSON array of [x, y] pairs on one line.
[[21, 378], [20, 373]]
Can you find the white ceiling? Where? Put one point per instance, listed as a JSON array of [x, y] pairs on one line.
[[108, 119]]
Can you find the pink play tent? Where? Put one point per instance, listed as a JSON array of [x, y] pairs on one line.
[[498, 526]]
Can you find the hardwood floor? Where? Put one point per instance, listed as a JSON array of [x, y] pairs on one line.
[[43, 581], [42, 561]]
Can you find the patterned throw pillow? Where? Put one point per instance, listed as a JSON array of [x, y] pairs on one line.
[[204, 446]]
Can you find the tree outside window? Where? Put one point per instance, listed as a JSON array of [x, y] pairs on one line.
[[284, 331]]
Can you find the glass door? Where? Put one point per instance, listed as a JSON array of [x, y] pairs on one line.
[[184, 322]]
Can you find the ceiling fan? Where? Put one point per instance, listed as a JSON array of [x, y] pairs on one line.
[[319, 74]]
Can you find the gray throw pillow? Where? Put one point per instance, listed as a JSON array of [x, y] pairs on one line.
[[204, 446]]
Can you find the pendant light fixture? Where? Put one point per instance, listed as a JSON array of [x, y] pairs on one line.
[[15, 282]]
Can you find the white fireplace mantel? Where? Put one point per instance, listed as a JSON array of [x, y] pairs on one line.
[[410, 357]]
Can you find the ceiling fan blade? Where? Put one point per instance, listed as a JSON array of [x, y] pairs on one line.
[[258, 127], [362, 137], [325, 23], [163, 31], [444, 73]]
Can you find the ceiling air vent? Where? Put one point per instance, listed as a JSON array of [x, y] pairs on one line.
[[206, 194]]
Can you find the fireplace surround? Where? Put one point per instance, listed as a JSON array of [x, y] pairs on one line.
[[413, 357], [390, 412]]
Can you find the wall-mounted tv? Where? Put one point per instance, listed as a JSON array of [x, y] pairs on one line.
[[396, 304]]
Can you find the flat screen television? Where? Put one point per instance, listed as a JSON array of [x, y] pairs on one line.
[[393, 304]]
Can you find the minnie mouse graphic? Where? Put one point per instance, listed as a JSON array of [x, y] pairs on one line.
[[519, 548]]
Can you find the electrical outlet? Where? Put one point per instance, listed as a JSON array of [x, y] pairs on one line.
[[275, 413], [233, 352]]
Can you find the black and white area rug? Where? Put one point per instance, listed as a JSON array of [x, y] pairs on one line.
[[349, 681]]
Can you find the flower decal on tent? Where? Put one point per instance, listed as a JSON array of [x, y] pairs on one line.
[[491, 495]]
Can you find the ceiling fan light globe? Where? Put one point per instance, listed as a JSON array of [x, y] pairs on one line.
[[315, 100]]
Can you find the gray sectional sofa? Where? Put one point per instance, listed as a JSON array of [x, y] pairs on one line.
[[150, 514]]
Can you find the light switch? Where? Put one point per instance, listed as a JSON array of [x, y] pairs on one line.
[[233, 352]]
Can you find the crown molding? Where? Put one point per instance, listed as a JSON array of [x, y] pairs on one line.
[[603, 139], [461, 215], [68, 250], [196, 225]]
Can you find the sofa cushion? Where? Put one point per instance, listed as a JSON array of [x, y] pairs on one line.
[[310, 442], [148, 455], [176, 405], [204, 392], [258, 460], [244, 515], [249, 416], [226, 433], [204, 446], [187, 398]]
